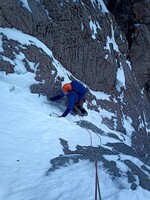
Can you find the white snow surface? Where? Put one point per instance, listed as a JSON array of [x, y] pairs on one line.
[[25, 5], [120, 79], [111, 40], [30, 138], [94, 25], [100, 4]]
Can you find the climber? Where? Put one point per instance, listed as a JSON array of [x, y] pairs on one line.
[[75, 93]]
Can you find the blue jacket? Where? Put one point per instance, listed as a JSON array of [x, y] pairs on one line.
[[77, 93]]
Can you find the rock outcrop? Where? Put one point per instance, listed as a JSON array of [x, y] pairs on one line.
[[133, 17]]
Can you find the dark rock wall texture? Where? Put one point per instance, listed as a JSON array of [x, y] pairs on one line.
[[133, 17]]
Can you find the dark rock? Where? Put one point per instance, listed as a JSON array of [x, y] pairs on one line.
[[144, 181], [98, 153]]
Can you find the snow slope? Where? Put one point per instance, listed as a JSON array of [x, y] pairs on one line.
[[30, 138]]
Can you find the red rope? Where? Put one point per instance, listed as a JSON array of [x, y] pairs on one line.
[[96, 181], [97, 186]]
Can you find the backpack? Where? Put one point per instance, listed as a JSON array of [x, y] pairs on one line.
[[77, 87]]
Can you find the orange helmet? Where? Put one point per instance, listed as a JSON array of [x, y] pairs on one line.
[[67, 87]]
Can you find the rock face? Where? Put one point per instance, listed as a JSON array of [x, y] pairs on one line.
[[96, 47], [133, 17], [140, 50]]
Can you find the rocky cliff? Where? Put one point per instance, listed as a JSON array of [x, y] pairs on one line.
[[133, 18], [106, 47]]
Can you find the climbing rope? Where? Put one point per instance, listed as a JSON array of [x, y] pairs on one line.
[[95, 155]]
